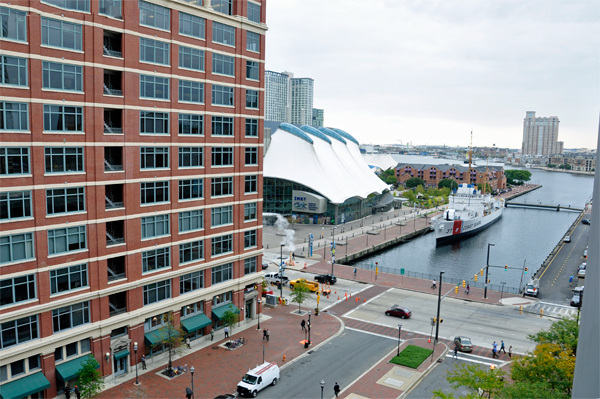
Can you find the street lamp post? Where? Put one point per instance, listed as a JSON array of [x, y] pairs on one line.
[[135, 348], [322, 386], [437, 325], [487, 268], [332, 248], [281, 271], [399, 332], [258, 302], [192, 369], [309, 327]]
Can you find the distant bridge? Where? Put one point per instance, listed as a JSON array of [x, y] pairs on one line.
[[542, 206]]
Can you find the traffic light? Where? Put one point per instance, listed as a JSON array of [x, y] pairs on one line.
[[481, 272], [489, 281], [456, 289], [435, 319], [441, 320], [475, 277], [464, 284], [505, 268], [525, 269]]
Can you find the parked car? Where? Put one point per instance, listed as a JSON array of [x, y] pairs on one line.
[[464, 344], [577, 296], [398, 311], [265, 265], [585, 254], [567, 239], [582, 266], [586, 221], [581, 273], [266, 292], [326, 278]]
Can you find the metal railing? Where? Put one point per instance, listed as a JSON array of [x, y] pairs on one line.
[[111, 129], [112, 53], [112, 92], [111, 203], [112, 240], [110, 166]]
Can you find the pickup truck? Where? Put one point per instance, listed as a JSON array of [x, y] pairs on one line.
[[311, 285], [275, 278]]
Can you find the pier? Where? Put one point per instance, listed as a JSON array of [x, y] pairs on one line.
[[542, 206]]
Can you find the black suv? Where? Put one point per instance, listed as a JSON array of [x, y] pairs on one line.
[[326, 278]]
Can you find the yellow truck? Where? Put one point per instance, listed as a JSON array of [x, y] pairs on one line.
[[311, 285]]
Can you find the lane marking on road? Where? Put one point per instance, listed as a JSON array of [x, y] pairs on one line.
[[375, 334], [364, 303], [451, 355], [342, 300], [555, 304]]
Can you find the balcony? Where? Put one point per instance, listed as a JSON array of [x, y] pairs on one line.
[[113, 196], [116, 268], [117, 303], [113, 121], [113, 159], [115, 233], [113, 84], [112, 44]]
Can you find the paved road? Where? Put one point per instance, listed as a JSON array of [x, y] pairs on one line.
[[343, 359]]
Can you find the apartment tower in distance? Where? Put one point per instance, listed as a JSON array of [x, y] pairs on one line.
[[540, 135], [318, 117], [302, 100], [278, 96], [131, 179]]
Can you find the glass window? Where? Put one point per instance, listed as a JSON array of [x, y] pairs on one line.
[[251, 127], [68, 278], [191, 282], [16, 247], [223, 34], [154, 51], [222, 273], [66, 240], [249, 239], [191, 157], [222, 156], [250, 211], [17, 367], [154, 157], [221, 215], [191, 58], [154, 192], [14, 116], [251, 157], [14, 160], [221, 245], [191, 220], [155, 226], [221, 186], [61, 34], [154, 87], [252, 70], [14, 24], [191, 124], [14, 71], [77, 5], [223, 298], [85, 345], [250, 184], [157, 292], [191, 91], [154, 122], [112, 8], [154, 15], [34, 362], [192, 309], [18, 331], [191, 251], [223, 6], [251, 98], [71, 316], [64, 159], [223, 64], [249, 265], [222, 95], [65, 200], [191, 25], [62, 76], [156, 259], [17, 289], [15, 205], [252, 41], [254, 12], [222, 126], [71, 349], [58, 118], [190, 189]]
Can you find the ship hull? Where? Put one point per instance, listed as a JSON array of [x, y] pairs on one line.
[[485, 222]]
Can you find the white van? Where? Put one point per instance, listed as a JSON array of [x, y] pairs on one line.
[[258, 378], [532, 288]]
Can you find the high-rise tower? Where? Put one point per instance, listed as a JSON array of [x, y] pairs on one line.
[[540, 135]]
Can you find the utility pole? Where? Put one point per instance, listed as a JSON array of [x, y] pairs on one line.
[[487, 268], [437, 325]]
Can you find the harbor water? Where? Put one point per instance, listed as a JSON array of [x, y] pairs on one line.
[[521, 235]]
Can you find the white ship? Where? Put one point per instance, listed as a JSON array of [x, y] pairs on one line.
[[469, 211]]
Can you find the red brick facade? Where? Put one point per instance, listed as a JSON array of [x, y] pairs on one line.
[[433, 174], [127, 140]]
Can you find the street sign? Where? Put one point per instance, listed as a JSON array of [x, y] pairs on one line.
[[402, 271]]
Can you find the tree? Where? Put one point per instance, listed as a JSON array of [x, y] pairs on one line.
[[172, 339], [565, 167], [414, 182], [486, 189], [563, 333], [517, 177], [230, 319], [300, 293], [449, 183], [475, 377], [389, 176], [90, 379]]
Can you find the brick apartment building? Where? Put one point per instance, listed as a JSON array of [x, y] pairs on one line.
[[578, 162], [131, 179], [433, 174]]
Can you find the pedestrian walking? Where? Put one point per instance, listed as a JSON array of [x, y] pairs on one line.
[[143, 362], [355, 272], [212, 333], [188, 343], [502, 347], [265, 334], [268, 335], [77, 393], [336, 389], [226, 330], [495, 345], [188, 393], [433, 284], [510, 351], [494, 353], [67, 391], [468, 289], [456, 352], [303, 325]]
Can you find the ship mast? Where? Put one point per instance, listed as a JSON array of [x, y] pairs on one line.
[[470, 156]]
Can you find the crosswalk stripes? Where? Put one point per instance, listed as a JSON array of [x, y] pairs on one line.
[[551, 309]]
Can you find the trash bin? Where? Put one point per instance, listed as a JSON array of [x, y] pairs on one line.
[[286, 301]]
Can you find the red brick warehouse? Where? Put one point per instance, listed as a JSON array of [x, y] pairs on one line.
[[131, 167]]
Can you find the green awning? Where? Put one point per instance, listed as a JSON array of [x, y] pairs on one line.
[[23, 387], [195, 323], [121, 354], [155, 337], [220, 311], [68, 370]]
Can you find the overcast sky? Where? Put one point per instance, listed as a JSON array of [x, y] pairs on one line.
[[428, 72]]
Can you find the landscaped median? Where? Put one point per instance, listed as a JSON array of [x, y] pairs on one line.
[[412, 356]]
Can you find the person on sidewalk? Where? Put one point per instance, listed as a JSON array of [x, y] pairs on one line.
[[268, 335], [67, 391], [495, 353], [303, 325], [502, 347], [212, 334], [336, 389], [433, 284], [456, 352], [495, 345], [265, 334], [77, 392], [468, 289], [510, 351], [143, 362], [226, 330], [188, 343], [355, 272]]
